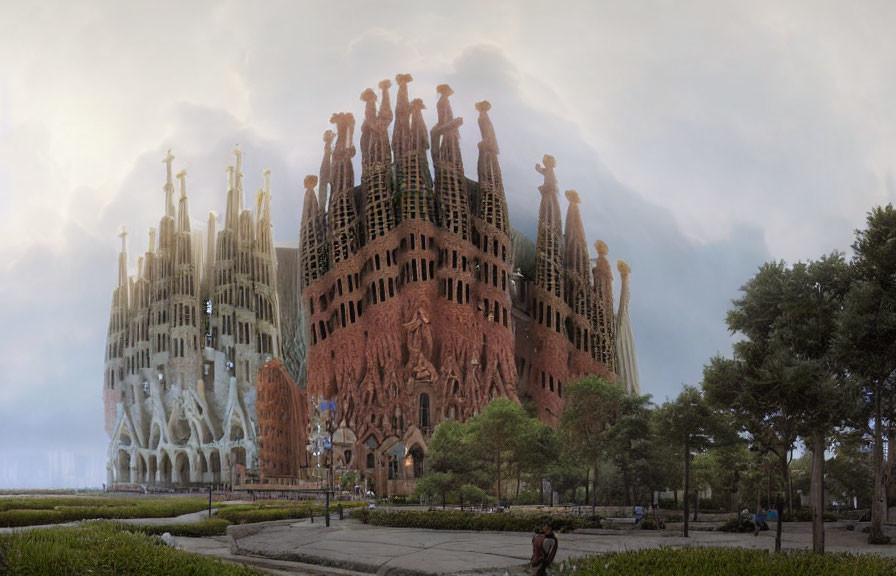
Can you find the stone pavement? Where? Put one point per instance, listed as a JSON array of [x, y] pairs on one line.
[[351, 547]]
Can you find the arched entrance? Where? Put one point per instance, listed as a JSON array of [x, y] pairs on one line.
[[123, 472], [215, 465], [182, 465], [152, 469], [165, 469], [417, 456]]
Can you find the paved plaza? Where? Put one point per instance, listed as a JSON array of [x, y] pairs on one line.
[[349, 547]]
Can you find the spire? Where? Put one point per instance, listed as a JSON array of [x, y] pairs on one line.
[[385, 115], [605, 328], [492, 202], [626, 358], [234, 192], [451, 184], [325, 169], [266, 204], [123, 259], [152, 239], [415, 180], [183, 215], [549, 261], [402, 130], [376, 165], [312, 251], [576, 246], [169, 185], [343, 213]]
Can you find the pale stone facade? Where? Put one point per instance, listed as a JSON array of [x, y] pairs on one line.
[[187, 335]]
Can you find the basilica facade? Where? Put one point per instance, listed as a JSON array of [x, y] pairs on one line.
[[410, 300]]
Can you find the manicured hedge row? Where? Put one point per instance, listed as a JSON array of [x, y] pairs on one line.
[[102, 549], [727, 562], [206, 527], [457, 520], [37, 511]]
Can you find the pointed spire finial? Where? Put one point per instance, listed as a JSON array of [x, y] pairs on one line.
[[168, 158], [267, 180], [152, 239], [239, 162], [489, 139], [573, 197], [182, 176], [624, 269], [550, 179], [601, 248], [123, 235], [310, 182]]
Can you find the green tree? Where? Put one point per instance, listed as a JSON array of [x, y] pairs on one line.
[[495, 436], [787, 379], [691, 425], [866, 340]]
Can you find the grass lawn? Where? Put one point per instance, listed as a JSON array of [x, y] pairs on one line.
[[102, 549]]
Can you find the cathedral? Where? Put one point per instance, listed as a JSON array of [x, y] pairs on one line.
[[410, 300]]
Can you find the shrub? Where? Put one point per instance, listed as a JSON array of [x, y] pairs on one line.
[[737, 525], [805, 515], [103, 549], [456, 520], [727, 562], [251, 513]]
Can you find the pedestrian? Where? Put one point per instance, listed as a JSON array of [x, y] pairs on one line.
[[759, 520], [544, 548]]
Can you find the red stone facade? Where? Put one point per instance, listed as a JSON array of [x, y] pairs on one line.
[[418, 306], [282, 423]]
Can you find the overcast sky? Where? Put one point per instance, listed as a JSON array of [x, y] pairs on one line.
[[704, 138]]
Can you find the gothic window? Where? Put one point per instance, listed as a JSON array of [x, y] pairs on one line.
[[424, 411]]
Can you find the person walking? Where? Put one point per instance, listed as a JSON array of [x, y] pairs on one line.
[[544, 548]]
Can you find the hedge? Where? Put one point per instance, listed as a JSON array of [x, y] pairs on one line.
[[727, 562], [457, 520], [205, 527], [103, 549], [251, 513], [17, 512]]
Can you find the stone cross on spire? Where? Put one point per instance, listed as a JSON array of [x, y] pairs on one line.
[[123, 234]]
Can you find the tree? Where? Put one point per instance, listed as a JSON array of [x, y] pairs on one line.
[[539, 450], [593, 405], [690, 424], [866, 339], [435, 484], [786, 379], [495, 436]]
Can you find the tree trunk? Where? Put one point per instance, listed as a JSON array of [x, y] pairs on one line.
[[788, 481], [780, 508], [519, 474], [587, 478], [879, 503], [594, 492], [696, 503], [499, 480], [816, 490], [687, 473], [785, 469]]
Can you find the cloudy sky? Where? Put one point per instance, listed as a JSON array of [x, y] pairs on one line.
[[703, 137]]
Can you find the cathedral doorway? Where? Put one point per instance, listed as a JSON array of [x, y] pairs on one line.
[[215, 465], [152, 469], [182, 465], [417, 457], [165, 469], [124, 467]]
